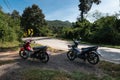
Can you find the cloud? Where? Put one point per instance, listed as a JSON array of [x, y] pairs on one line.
[[107, 6]]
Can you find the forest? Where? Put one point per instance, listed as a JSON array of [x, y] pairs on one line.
[[13, 26]]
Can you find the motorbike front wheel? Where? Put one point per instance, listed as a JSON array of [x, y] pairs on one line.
[[44, 57], [23, 54], [93, 58], [71, 56]]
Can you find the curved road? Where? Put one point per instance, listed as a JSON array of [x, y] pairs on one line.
[[108, 54]]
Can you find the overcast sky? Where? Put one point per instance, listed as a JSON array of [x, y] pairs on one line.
[[59, 9]]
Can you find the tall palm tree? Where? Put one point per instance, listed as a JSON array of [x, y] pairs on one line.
[[85, 6]]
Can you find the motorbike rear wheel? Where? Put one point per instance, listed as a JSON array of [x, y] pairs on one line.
[[44, 57], [93, 58], [71, 56], [23, 54]]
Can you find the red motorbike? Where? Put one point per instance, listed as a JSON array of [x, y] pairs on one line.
[[39, 52]]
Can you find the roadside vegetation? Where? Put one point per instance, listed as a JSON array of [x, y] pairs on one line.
[[112, 69], [102, 31], [10, 31]]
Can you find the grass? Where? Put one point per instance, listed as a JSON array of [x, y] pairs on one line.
[[112, 46], [54, 50], [112, 73], [49, 48], [102, 45], [6, 62], [38, 74], [111, 69], [16, 45], [35, 44], [9, 45]]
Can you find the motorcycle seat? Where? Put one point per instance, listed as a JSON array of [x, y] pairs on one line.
[[94, 47], [39, 47]]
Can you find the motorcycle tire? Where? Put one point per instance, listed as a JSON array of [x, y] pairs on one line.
[[23, 54], [71, 56], [93, 58], [44, 57]]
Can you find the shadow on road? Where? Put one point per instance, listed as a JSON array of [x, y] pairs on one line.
[[58, 61], [5, 49]]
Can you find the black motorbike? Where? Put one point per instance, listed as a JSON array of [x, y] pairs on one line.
[[39, 52], [90, 53]]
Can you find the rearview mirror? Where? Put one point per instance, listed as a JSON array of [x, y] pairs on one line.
[[80, 38]]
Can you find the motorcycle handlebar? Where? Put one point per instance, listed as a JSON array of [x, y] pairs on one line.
[[76, 41], [30, 41]]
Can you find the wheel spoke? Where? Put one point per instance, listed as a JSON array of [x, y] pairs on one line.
[[93, 58]]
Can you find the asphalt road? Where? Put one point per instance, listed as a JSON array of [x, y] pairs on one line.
[[108, 54]]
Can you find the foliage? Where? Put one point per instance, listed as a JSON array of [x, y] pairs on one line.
[[85, 6], [104, 30], [45, 31], [58, 26], [78, 30], [33, 18], [15, 15], [9, 28], [58, 23], [3, 62]]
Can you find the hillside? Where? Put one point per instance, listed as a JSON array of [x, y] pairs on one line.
[[59, 23]]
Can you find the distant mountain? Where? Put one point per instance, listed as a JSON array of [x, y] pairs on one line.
[[58, 23]]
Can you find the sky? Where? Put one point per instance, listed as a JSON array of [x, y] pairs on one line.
[[65, 10]]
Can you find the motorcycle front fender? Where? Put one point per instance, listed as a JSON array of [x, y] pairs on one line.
[[22, 49], [98, 53], [70, 49]]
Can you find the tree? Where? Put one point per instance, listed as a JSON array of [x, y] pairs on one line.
[[33, 18], [15, 15], [9, 30], [104, 30], [85, 6], [96, 15]]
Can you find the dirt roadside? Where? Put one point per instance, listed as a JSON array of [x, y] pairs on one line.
[[58, 61]]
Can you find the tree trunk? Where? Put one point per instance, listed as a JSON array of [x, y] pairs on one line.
[[82, 17]]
